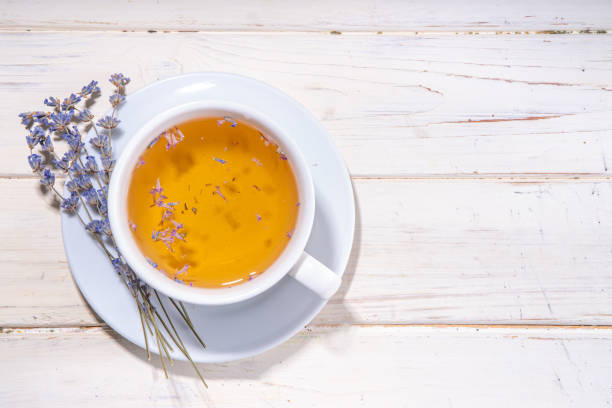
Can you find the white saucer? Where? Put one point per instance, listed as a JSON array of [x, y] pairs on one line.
[[256, 325]]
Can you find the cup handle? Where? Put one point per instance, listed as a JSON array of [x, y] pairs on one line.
[[316, 276]]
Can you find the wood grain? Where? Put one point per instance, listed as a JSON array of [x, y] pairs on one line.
[[426, 251], [318, 15], [425, 106], [322, 366], [478, 137]]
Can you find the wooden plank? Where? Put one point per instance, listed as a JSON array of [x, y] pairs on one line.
[[434, 251], [276, 15], [395, 105], [321, 366]]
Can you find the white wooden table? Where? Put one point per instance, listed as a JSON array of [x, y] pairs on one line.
[[479, 139]]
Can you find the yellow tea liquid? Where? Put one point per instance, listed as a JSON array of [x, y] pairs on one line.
[[212, 202]]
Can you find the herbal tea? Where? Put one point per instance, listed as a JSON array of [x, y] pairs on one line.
[[212, 202]]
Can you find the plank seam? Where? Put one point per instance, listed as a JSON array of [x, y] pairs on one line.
[[322, 325], [335, 33]]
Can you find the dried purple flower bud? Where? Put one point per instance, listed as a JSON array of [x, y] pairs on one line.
[[73, 138], [95, 227], [65, 162], [71, 203], [104, 176], [35, 161], [115, 99], [47, 145], [71, 186], [103, 192], [32, 142], [85, 115], [90, 164], [120, 266], [76, 169], [83, 181], [47, 178], [108, 164], [89, 89], [119, 80], [91, 196], [27, 118], [60, 120], [70, 102], [35, 136], [99, 141], [102, 205], [108, 122], [52, 102], [106, 229]]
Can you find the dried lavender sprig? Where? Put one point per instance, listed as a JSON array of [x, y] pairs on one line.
[[57, 122]]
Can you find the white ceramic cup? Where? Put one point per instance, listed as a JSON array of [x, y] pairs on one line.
[[293, 260]]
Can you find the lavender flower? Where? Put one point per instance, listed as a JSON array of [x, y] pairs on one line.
[[115, 99], [46, 145], [52, 102], [102, 204], [91, 196], [71, 203], [85, 115], [60, 121], [47, 178], [90, 89], [106, 227], [95, 227], [108, 122], [70, 102], [108, 164], [99, 141], [43, 121], [83, 181], [119, 80], [104, 176], [35, 136], [27, 118], [65, 162], [35, 161], [91, 165], [76, 169], [73, 137], [31, 141], [71, 186], [103, 192], [119, 266]]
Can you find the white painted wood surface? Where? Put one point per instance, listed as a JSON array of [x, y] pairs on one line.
[[399, 105], [427, 251], [358, 366], [480, 163], [318, 15]]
